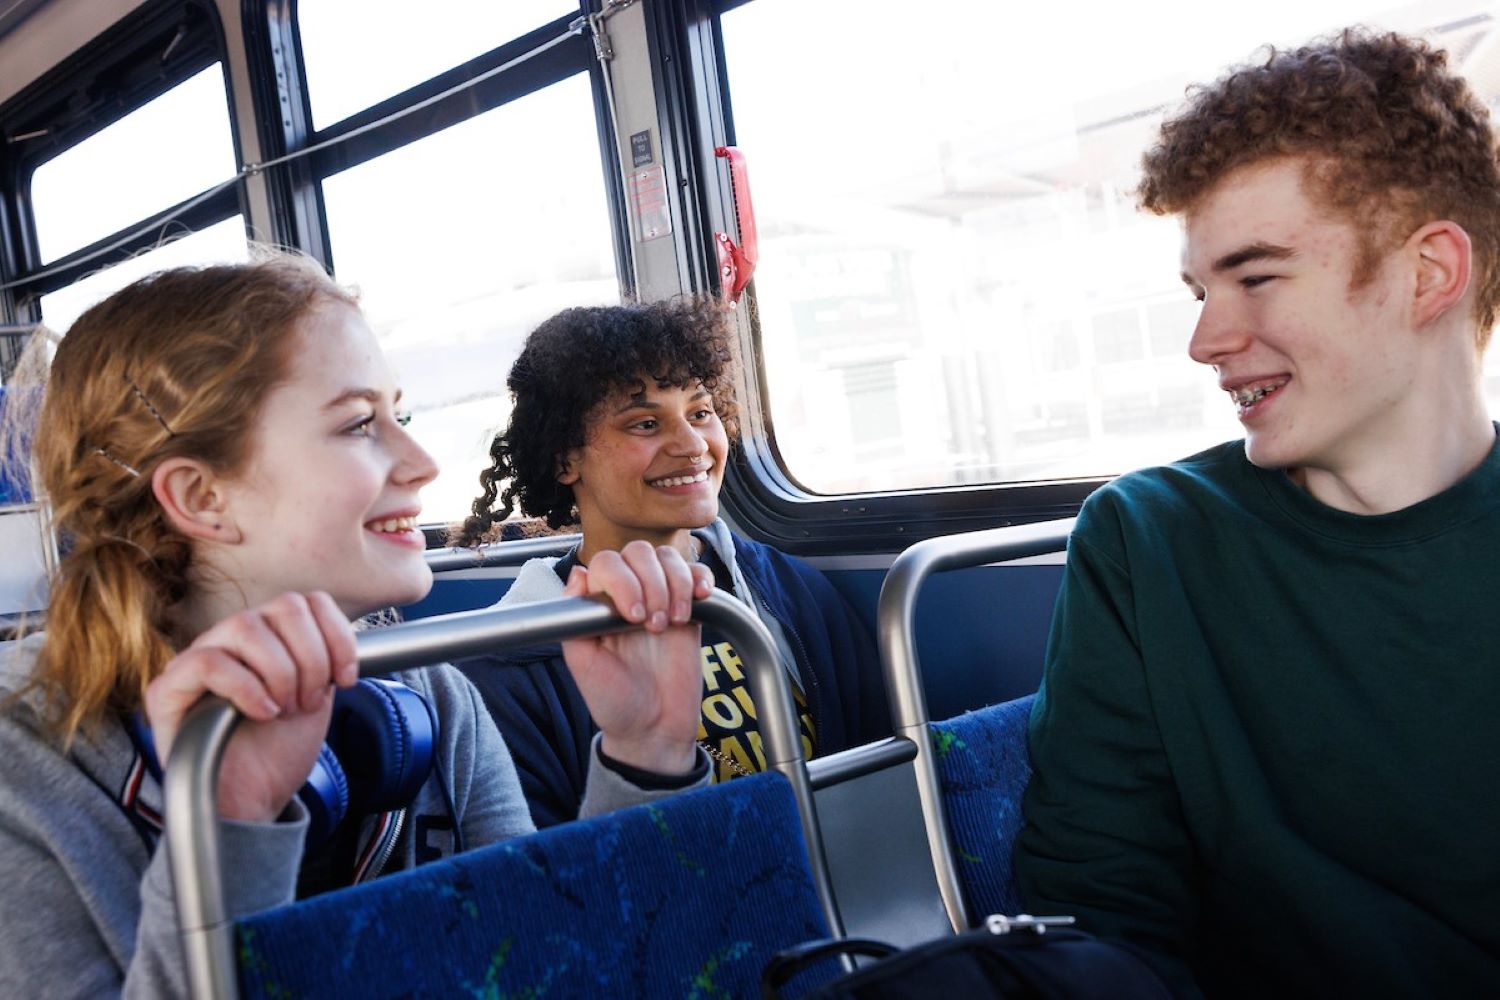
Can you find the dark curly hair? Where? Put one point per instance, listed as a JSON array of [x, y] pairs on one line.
[[571, 364], [1393, 139]]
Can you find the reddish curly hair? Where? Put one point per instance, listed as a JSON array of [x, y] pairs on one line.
[[1391, 136]]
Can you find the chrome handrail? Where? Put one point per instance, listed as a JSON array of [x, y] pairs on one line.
[[191, 785], [491, 554], [896, 628]]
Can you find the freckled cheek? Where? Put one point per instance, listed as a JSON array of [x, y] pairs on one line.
[[331, 539], [339, 514], [318, 511], [302, 537], [1294, 331]]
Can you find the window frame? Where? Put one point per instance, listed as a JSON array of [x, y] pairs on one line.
[[69, 104], [694, 115], [284, 203], [279, 79], [759, 493]]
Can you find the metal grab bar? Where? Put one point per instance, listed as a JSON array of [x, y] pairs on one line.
[[511, 553], [191, 785], [896, 630]]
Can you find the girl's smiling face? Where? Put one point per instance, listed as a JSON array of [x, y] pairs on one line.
[[329, 497], [650, 468]]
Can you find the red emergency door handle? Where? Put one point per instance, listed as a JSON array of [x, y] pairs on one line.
[[737, 262]]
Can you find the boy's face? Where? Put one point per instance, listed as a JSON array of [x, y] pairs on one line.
[[1322, 376]]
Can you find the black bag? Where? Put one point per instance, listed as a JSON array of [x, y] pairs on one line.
[[1009, 957]]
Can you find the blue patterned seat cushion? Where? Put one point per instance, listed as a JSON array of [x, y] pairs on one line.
[[983, 766], [684, 898]]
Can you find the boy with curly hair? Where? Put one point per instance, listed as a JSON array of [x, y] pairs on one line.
[[1265, 746]]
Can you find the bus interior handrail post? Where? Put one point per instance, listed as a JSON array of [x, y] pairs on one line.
[[896, 630]]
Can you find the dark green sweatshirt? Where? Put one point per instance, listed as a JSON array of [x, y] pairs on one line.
[[1268, 737]]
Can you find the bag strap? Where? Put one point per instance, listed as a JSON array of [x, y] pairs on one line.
[[787, 963]]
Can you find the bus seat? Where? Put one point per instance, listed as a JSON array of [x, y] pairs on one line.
[[687, 896], [983, 767]]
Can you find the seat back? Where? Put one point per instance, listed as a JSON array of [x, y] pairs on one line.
[[983, 767], [685, 897]]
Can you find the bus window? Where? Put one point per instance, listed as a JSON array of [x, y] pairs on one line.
[[460, 243], [359, 54], [955, 285], [159, 155], [223, 242]]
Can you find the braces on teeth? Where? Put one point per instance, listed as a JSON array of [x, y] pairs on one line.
[[1245, 397]]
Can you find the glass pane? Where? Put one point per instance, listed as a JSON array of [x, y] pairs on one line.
[[458, 251], [153, 158], [955, 285], [223, 242], [359, 52]]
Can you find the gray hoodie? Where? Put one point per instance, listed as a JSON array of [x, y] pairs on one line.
[[88, 908]]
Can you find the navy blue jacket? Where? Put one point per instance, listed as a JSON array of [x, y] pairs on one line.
[[547, 727]]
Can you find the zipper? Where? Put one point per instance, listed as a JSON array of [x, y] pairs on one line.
[[387, 847]]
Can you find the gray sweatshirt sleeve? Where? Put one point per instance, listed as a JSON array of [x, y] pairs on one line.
[[608, 790], [260, 863], [51, 939], [487, 796], [486, 792], [85, 914]]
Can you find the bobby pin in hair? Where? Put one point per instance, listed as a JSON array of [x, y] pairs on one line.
[[134, 472], [147, 403]]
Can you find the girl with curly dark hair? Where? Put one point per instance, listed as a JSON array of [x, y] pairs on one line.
[[622, 423]]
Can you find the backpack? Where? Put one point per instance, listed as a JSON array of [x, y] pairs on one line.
[[1020, 957]]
